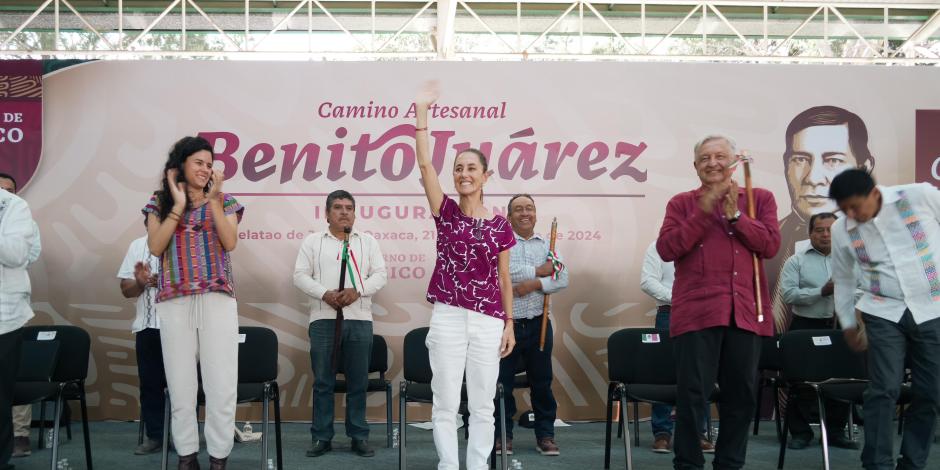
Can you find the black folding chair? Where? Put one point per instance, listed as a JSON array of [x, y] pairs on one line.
[[64, 350], [820, 362], [257, 383], [769, 366], [641, 368], [416, 388], [378, 363]]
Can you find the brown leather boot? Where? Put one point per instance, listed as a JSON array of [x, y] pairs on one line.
[[217, 464], [189, 462]]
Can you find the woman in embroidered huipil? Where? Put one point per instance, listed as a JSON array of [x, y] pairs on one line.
[[192, 226], [471, 323]]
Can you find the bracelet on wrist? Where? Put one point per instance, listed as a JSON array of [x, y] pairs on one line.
[[421, 128]]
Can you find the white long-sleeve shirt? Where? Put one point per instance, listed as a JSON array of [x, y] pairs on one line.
[[18, 247], [317, 271], [657, 277], [897, 252]]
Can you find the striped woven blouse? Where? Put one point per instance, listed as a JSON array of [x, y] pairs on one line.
[[195, 262]]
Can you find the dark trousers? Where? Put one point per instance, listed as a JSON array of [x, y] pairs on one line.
[[356, 345], [728, 355], [10, 345], [806, 407], [152, 380], [660, 418], [888, 344], [538, 368]]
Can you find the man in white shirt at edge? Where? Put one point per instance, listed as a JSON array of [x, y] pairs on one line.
[[23, 414], [893, 235], [19, 242], [138, 277], [316, 273]]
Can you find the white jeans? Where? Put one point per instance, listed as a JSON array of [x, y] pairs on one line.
[[461, 339], [202, 329]]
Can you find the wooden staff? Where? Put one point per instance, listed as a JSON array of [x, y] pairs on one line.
[[545, 301], [338, 330], [752, 213]]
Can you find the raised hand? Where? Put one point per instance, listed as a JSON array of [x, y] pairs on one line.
[[730, 204], [216, 187], [177, 188], [428, 94], [142, 274]]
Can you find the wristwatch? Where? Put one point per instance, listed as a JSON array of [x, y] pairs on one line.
[[737, 215]]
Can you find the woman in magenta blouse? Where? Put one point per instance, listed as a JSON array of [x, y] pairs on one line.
[[192, 226], [471, 323]]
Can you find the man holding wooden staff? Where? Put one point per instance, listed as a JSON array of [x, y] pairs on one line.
[[317, 274], [536, 272], [716, 239]]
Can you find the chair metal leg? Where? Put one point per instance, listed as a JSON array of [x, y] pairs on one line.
[[84, 405], [786, 430], [610, 422], [55, 431], [636, 423], [822, 428], [708, 423], [166, 428], [900, 419], [276, 398], [140, 429], [626, 429], [67, 418], [777, 422], [851, 421], [265, 404], [503, 459], [388, 415], [760, 394], [402, 424], [42, 424]]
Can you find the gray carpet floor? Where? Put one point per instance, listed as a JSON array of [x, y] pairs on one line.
[[582, 447]]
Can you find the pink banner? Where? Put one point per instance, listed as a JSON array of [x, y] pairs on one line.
[[20, 118]]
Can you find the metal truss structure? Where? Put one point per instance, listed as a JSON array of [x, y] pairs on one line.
[[859, 32]]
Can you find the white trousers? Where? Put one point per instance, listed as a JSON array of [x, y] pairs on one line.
[[202, 329], [460, 339]]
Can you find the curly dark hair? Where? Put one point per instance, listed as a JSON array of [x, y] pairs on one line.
[[181, 150]]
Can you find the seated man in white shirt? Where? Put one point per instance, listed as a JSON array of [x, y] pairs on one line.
[[317, 274], [892, 234]]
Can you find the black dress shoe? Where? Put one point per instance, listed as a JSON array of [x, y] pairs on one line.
[[217, 464], [319, 448], [798, 443], [362, 448], [189, 462]]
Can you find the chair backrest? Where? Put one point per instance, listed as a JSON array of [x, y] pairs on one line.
[[641, 356], [74, 345], [817, 355], [379, 360], [770, 357], [257, 355], [38, 361], [417, 361]]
